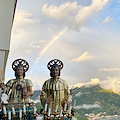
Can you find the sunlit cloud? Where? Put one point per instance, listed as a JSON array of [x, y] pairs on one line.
[[85, 56], [107, 19], [72, 14], [94, 81], [76, 85], [109, 69], [23, 18], [112, 83]]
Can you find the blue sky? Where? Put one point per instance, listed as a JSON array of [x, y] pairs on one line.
[[88, 46]]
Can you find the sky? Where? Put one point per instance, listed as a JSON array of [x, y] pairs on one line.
[[83, 34]]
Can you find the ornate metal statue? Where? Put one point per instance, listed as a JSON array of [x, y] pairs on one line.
[[19, 89], [55, 94]]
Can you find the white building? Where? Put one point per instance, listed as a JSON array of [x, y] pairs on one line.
[[7, 12]]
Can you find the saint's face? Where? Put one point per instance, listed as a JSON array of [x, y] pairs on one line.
[[55, 71], [20, 71]]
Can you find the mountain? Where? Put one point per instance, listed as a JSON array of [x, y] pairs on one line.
[[92, 101], [36, 95], [96, 100]]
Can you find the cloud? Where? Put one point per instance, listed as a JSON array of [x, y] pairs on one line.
[[72, 14], [93, 81], [36, 44], [79, 93], [23, 29], [36, 85], [107, 19], [109, 69], [112, 83], [76, 85], [33, 45], [85, 56], [23, 18], [87, 106]]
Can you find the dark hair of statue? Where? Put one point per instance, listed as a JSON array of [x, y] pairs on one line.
[[16, 71], [52, 68]]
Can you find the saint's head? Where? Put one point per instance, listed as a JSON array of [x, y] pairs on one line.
[[20, 66], [19, 71], [55, 66], [55, 71]]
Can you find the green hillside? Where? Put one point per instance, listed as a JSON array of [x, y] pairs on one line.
[[93, 99], [36, 94], [106, 100]]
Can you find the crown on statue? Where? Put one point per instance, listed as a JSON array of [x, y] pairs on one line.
[[55, 62], [20, 62]]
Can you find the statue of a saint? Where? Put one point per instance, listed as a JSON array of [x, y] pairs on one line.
[[19, 89], [55, 90]]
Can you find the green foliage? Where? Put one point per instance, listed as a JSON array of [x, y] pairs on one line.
[[108, 91], [107, 99], [79, 117], [38, 106]]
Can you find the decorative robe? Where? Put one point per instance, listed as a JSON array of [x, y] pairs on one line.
[[57, 90], [17, 96]]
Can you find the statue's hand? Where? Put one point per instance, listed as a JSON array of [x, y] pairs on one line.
[[26, 95], [48, 100]]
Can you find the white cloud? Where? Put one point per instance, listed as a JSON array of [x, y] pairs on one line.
[[23, 18], [107, 19], [35, 44], [37, 85], [78, 94], [85, 56], [72, 14], [22, 31], [110, 69], [24, 39], [87, 106], [93, 81], [111, 84], [76, 85]]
